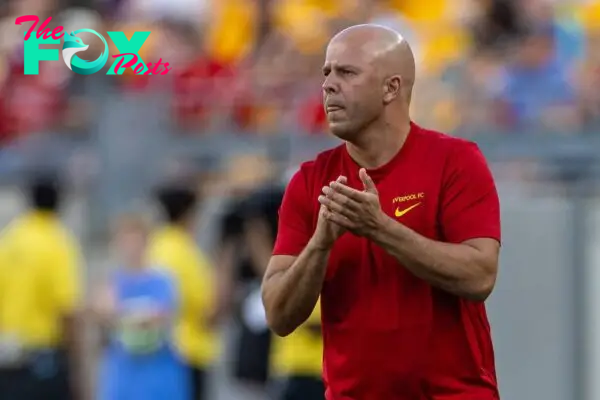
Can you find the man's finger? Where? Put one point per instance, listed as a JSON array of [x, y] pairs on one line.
[[340, 198], [347, 191], [368, 183], [330, 204], [339, 219], [336, 207]]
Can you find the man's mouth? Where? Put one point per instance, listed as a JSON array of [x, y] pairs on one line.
[[332, 108]]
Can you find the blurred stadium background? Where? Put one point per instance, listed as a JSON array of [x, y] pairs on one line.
[[242, 104]]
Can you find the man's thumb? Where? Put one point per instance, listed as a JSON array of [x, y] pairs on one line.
[[368, 183]]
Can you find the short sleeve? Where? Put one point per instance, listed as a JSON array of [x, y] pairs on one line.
[[470, 204], [294, 227]]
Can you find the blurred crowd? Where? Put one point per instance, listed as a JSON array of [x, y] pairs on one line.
[[158, 314], [254, 66]]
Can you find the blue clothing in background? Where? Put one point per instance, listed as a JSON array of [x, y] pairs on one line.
[[158, 375], [570, 42], [530, 91]]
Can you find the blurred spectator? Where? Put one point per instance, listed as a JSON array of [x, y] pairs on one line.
[[128, 80], [467, 93], [232, 31], [154, 10], [254, 66], [538, 91], [501, 23], [306, 23], [271, 87], [40, 342], [241, 268], [138, 307], [588, 73], [260, 216], [203, 85], [30, 103], [420, 12], [295, 361], [78, 107], [174, 247]]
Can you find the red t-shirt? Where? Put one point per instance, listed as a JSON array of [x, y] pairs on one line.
[[387, 334]]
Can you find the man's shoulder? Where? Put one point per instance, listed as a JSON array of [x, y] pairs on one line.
[[447, 150], [322, 162], [444, 141], [455, 153], [311, 175]]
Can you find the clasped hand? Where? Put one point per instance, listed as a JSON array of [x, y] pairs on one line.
[[356, 211]]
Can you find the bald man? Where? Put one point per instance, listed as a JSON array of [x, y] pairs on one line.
[[397, 230]]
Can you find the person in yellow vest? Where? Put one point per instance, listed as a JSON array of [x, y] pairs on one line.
[[173, 247], [40, 350], [297, 362]]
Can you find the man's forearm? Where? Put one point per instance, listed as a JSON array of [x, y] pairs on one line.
[[456, 268], [290, 296]]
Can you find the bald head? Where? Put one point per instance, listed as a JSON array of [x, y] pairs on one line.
[[385, 48], [369, 74]]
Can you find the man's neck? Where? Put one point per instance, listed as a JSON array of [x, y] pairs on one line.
[[378, 145]]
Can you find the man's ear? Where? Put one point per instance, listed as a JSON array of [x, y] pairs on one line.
[[392, 89]]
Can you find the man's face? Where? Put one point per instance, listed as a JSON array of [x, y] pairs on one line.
[[352, 92]]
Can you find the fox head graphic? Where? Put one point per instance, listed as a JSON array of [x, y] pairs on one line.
[[71, 46]]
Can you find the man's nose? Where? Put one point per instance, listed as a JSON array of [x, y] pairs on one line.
[[329, 85]]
